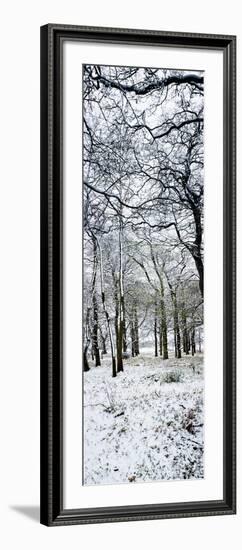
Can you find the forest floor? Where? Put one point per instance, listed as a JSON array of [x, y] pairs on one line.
[[147, 423]]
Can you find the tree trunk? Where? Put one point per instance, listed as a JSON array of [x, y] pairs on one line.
[[116, 319], [155, 330], [199, 266], [103, 339], [162, 305], [193, 343], [175, 342], [188, 342], [176, 328], [136, 330], [132, 336], [95, 347], [164, 326], [197, 249], [120, 366], [107, 315], [96, 352], [199, 341], [178, 336], [86, 367], [155, 335], [160, 339], [162, 311], [87, 342], [125, 346], [184, 328]]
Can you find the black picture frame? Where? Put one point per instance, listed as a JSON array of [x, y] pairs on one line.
[[51, 507]]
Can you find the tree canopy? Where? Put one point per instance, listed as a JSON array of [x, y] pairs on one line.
[[143, 211]]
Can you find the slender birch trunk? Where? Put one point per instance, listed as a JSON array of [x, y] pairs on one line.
[[106, 314], [185, 344], [163, 322], [136, 329], [95, 346], [121, 301], [160, 339], [155, 330], [132, 336], [176, 326]]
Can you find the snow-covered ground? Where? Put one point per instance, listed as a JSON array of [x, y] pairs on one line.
[[147, 423]]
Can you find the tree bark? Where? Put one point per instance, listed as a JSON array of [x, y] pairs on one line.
[[163, 324], [136, 330], [87, 341], [106, 314], [175, 343], [193, 343], [95, 346], [86, 367], [197, 253], [160, 339], [96, 351], [155, 335], [116, 302], [184, 327], [176, 328], [120, 366], [155, 330], [188, 341], [132, 336], [162, 305], [125, 345], [103, 339]]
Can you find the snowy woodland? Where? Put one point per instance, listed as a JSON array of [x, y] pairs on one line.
[[143, 274]]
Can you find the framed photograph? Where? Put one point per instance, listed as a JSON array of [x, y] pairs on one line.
[[137, 274]]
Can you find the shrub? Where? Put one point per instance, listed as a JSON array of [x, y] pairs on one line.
[[172, 376]]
